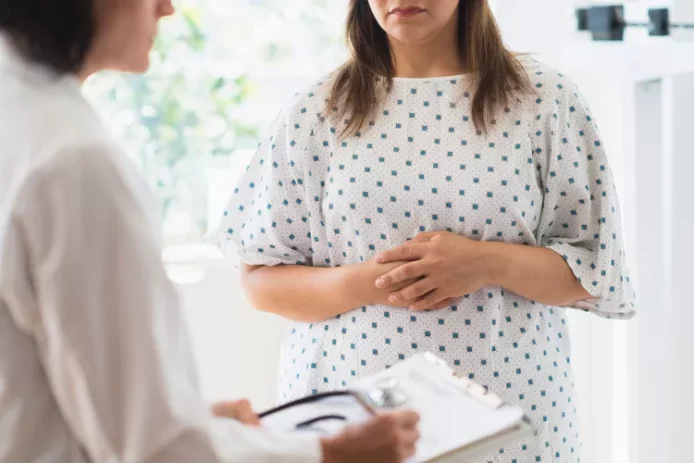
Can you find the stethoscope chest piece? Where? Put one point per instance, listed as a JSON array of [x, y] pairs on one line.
[[388, 394]]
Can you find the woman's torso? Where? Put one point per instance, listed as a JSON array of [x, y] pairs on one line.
[[422, 166]]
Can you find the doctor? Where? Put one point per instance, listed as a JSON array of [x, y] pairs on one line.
[[95, 365]]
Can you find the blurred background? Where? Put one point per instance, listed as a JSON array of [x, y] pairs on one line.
[[223, 68]]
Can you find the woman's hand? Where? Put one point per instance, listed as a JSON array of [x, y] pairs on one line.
[[441, 268], [368, 272]]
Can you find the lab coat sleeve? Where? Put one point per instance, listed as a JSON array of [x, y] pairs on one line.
[[110, 329]]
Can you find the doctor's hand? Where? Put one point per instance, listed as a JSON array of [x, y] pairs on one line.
[[444, 266], [389, 438], [239, 410]]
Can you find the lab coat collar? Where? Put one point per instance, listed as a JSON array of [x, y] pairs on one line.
[[13, 62]]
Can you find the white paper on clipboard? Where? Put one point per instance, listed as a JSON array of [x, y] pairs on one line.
[[459, 419]]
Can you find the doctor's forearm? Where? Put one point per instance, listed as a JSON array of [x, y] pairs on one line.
[[303, 293]]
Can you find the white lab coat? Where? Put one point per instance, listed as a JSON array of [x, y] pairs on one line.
[[95, 363]]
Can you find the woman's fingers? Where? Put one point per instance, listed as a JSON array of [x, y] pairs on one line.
[[429, 301], [425, 236], [408, 251], [411, 271], [412, 292]]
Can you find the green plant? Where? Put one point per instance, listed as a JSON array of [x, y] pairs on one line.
[[176, 115]]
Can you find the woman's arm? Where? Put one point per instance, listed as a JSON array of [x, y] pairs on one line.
[[538, 274], [301, 293], [446, 265], [311, 294], [580, 218]]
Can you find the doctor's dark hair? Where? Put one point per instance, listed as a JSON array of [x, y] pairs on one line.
[[497, 73], [55, 33]]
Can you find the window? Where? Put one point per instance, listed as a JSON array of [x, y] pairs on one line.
[[220, 71]]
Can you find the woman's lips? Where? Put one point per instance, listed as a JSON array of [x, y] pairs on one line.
[[407, 12]]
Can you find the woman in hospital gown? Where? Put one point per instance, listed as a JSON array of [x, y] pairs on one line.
[[539, 178]]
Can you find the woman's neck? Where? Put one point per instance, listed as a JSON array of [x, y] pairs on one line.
[[88, 69], [82, 76], [436, 58]]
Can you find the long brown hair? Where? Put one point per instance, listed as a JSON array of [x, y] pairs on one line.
[[497, 73]]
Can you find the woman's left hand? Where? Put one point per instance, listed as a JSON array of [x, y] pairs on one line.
[[447, 266]]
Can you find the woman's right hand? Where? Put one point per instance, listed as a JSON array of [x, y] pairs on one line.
[[388, 438], [364, 281], [366, 275]]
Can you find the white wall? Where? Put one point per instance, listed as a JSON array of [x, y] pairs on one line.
[[679, 255], [236, 346]]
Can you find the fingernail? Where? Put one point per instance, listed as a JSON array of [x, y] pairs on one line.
[[393, 298], [380, 283], [379, 259]]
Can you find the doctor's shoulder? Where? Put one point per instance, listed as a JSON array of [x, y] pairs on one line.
[[72, 148], [49, 131], [52, 123]]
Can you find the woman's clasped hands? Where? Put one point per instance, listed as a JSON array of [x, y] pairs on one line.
[[433, 270]]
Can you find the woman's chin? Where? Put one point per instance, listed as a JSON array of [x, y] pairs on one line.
[[409, 36]]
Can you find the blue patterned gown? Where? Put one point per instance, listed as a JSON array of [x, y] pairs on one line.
[[540, 177]]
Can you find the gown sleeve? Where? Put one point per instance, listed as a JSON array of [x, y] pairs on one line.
[[580, 217], [267, 220]]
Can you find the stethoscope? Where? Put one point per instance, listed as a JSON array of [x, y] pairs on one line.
[[387, 394]]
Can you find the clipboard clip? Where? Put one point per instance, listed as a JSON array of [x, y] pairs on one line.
[[473, 389]]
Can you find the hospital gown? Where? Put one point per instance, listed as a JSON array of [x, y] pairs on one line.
[[539, 177]]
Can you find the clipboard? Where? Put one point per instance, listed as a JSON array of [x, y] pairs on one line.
[[460, 420]]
